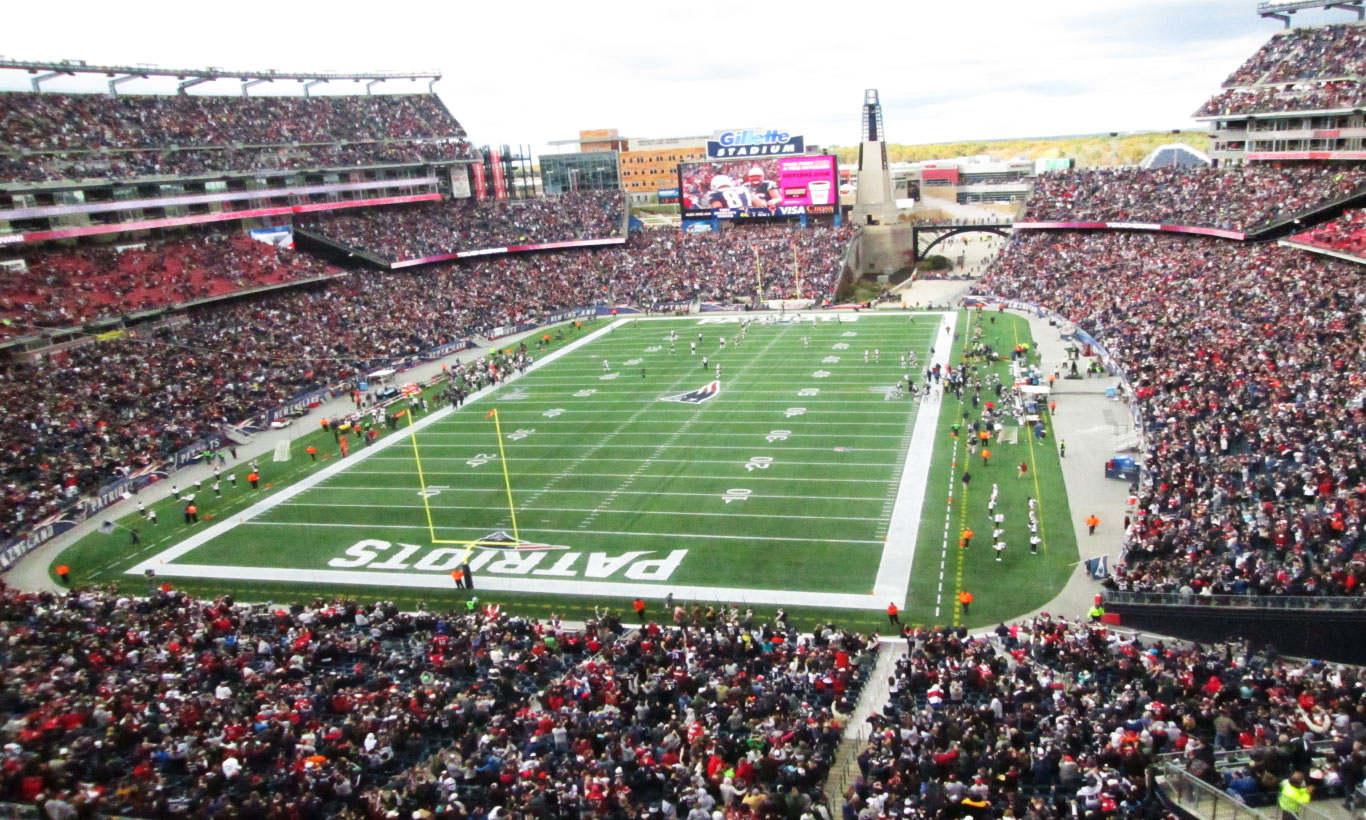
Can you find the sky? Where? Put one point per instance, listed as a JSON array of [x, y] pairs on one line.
[[531, 72]]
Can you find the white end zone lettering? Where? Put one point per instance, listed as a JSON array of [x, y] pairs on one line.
[[638, 565]]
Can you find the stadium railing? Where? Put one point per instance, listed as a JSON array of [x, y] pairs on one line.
[[1280, 224], [1248, 601], [1200, 798]]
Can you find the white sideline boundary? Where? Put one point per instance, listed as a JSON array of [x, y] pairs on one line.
[[894, 569], [898, 556]]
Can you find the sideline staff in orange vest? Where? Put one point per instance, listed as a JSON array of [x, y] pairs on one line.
[[892, 617], [965, 598]]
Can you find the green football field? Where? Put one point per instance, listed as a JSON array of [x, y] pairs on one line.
[[621, 465]]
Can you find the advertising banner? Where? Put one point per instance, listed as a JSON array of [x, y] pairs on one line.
[[539, 246], [1130, 226], [198, 219], [460, 182], [500, 186], [754, 142], [193, 453], [16, 548], [114, 491], [792, 186], [481, 191]]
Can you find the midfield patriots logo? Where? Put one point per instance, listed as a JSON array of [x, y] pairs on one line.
[[697, 396]]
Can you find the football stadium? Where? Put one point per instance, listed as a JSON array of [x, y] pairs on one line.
[[360, 467]]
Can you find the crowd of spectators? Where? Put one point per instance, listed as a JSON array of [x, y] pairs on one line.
[[169, 706], [1249, 369], [428, 229], [1243, 198], [1346, 234], [64, 287], [207, 161], [1309, 53], [73, 136], [84, 416], [1339, 94], [667, 266], [1050, 719]]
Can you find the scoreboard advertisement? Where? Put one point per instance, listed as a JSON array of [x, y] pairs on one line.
[[759, 187]]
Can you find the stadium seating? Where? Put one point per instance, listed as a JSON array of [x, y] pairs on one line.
[[1285, 98], [64, 287], [166, 705], [1309, 53], [202, 709], [433, 229], [1246, 362], [147, 135], [1050, 718], [1346, 234], [1243, 198], [1301, 69], [82, 417]]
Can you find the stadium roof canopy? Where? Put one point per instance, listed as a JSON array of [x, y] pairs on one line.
[[47, 70], [1282, 10]]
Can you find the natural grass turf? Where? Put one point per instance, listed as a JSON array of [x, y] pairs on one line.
[[670, 466]]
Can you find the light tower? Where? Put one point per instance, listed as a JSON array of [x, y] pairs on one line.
[[874, 205]]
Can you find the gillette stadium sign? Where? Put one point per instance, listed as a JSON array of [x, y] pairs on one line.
[[754, 142]]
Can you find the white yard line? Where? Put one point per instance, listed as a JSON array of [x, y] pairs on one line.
[[603, 491], [531, 510], [525, 443], [536, 530], [614, 475], [898, 556]]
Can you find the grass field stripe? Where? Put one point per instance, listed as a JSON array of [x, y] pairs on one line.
[[622, 475], [636, 533], [708, 434], [455, 490], [665, 446], [766, 413], [495, 583], [162, 559], [879, 403], [676, 461], [615, 512]]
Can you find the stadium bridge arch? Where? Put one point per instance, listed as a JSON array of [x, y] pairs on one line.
[[928, 236]]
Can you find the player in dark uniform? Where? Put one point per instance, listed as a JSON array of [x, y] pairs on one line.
[[762, 192], [726, 194]]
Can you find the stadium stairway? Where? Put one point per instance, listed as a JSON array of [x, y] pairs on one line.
[[871, 700]]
